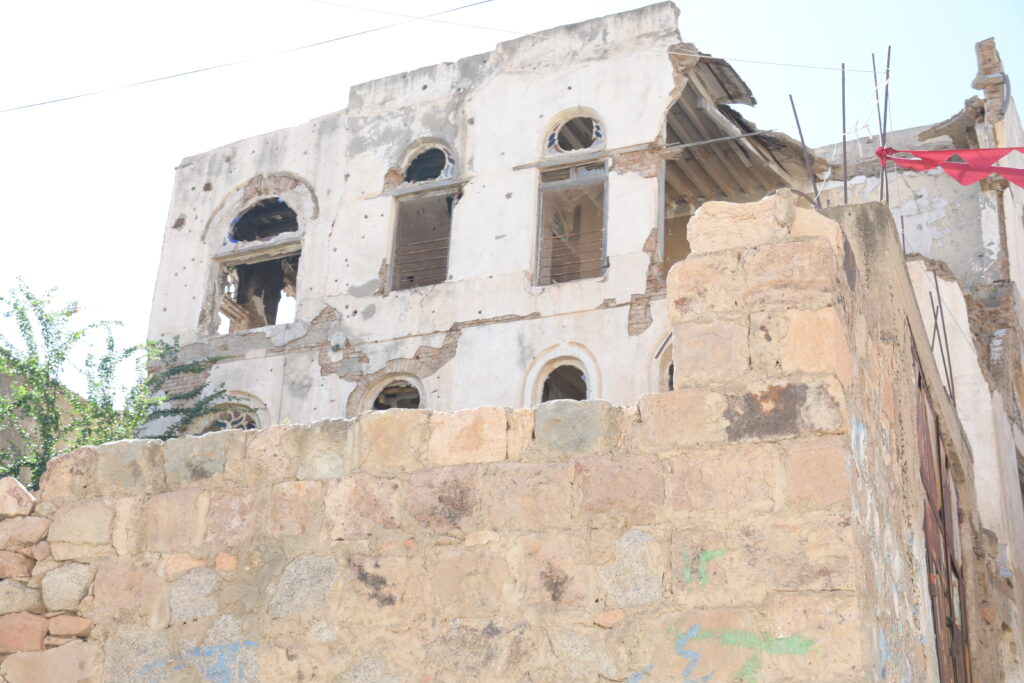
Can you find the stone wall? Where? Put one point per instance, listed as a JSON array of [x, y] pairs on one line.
[[739, 527]]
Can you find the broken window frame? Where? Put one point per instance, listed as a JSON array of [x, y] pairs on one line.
[[552, 146], [261, 253], [452, 189], [574, 180]]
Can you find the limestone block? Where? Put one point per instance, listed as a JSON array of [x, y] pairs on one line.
[[358, 505], [132, 655], [72, 475], [712, 352], [125, 588], [295, 508], [477, 435], [553, 578], [15, 500], [65, 586], [18, 532], [41, 550], [442, 498], [17, 597], [720, 484], [585, 653], [22, 632], [82, 522], [328, 450], [131, 466], [489, 649], [179, 564], [631, 490], [528, 496], [231, 518], [393, 439], [194, 595], [609, 618], [817, 473], [304, 585], [727, 644], [198, 459], [225, 562], [793, 274], [520, 432], [469, 582], [816, 342], [725, 225], [174, 521], [127, 532], [773, 411], [634, 578], [679, 419], [68, 625], [15, 565], [76, 660], [810, 223], [703, 285], [563, 429], [384, 590], [270, 455], [823, 633]]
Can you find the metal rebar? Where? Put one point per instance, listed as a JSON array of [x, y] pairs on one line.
[[846, 197], [884, 189], [807, 157]]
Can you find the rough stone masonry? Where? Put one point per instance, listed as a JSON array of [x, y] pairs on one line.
[[760, 522]]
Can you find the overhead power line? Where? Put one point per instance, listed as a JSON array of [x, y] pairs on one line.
[[407, 20]]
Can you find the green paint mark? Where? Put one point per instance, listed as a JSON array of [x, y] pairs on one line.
[[790, 645], [703, 557]]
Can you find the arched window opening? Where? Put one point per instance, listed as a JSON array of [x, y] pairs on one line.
[[398, 393], [565, 382], [433, 164], [263, 220], [232, 418], [575, 134], [423, 222]]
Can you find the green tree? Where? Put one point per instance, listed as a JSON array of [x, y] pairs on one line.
[[40, 417]]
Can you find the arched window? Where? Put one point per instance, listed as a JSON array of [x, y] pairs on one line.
[[398, 393], [260, 288], [424, 220], [231, 418], [580, 132], [571, 239], [564, 382], [263, 220]]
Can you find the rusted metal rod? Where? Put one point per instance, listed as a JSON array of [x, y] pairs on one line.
[[807, 157]]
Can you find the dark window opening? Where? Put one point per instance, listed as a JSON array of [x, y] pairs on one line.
[[256, 293], [263, 220], [422, 233], [581, 132], [397, 394], [571, 224], [565, 382], [671, 376], [430, 165], [236, 418]]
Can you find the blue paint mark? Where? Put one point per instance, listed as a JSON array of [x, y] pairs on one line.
[[886, 655], [640, 675], [692, 655], [216, 663], [858, 437]]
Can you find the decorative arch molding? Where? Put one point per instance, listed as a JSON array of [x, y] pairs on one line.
[[294, 190], [366, 390], [566, 353], [558, 120]]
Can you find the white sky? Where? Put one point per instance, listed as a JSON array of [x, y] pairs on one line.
[[86, 183]]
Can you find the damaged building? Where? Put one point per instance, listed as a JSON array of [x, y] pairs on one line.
[[792, 449]]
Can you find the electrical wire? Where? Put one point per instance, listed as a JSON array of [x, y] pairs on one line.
[[409, 19]]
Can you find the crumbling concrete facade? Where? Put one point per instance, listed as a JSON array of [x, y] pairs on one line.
[[464, 229], [765, 520]]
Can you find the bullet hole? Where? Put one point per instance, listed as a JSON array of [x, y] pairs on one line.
[[423, 88], [207, 187], [508, 195]]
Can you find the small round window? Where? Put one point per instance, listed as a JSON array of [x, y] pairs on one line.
[[575, 134], [433, 164]]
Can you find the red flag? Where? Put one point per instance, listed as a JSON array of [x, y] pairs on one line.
[[977, 164]]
